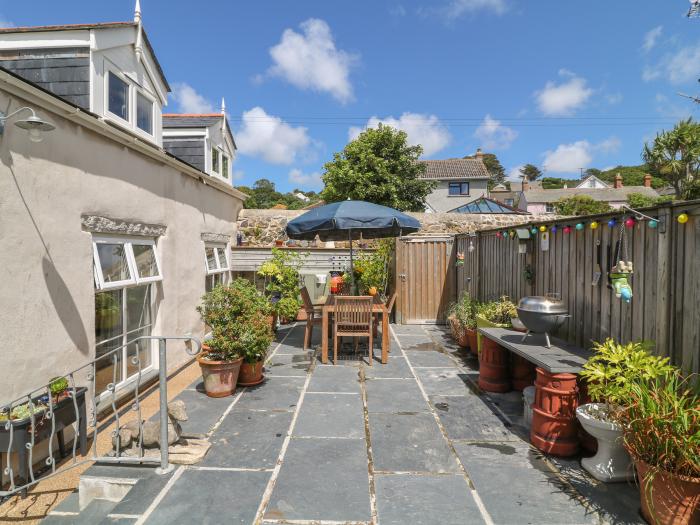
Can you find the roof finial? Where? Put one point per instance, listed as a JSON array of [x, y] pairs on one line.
[[137, 11], [223, 106]]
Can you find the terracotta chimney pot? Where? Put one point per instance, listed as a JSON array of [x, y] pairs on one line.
[[479, 154], [618, 181], [526, 184], [647, 181]]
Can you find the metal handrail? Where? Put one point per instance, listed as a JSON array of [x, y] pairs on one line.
[[39, 417]]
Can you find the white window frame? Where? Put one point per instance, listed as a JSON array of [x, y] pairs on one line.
[[223, 156], [152, 100], [218, 247], [217, 150], [125, 79], [128, 243], [133, 89], [549, 208]]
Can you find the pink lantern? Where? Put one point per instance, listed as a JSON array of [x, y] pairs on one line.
[[567, 229], [630, 223]]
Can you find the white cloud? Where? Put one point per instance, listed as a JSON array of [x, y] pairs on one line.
[[426, 130], [514, 173], [457, 8], [565, 98], [493, 135], [310, 60], [189, 101], [304, 180], [678, 68], [238, 175], [570, 158], [651, 37], [270, 138], [650, 73]]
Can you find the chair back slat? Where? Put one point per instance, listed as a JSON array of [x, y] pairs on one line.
[[390, 303]]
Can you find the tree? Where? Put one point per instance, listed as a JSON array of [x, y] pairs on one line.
[[496, 171], [380, 167], [592, 171], [531, 172], [581, 205], [638, 200], [675, 157], [263, 195]]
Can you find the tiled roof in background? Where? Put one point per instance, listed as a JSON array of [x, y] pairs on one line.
[[454, 169]]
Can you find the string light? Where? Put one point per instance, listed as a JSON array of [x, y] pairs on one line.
[[630, 222], [533, 231], [653, 224], [567, 229], [579, 226], [612, 223], [594, 225], [682, 218], [553, 229], [543, 228]]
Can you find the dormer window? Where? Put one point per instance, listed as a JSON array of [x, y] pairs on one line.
[[118, 97], [224, 166], [129, 102]]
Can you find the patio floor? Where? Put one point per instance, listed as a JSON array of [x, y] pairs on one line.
[[410, 442]]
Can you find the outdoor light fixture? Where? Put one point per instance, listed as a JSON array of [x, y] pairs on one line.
[[33, 124]]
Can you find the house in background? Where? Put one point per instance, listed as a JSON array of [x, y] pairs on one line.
[[459, 181], [537, 201], [592, 182], [204, 141], [485, 205]]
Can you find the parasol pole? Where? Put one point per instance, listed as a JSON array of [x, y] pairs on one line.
[[352, 265]]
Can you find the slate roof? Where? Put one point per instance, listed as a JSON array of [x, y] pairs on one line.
[[486, 205], [517, 185], [190, 120], [102, 25], [450, 169], [599, 194]]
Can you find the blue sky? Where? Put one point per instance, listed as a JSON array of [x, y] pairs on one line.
[[563, 85]]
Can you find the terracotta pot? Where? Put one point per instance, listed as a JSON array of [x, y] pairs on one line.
[[473, 342], [220, 377], [251, 373], [459, 333], [522, 372], [301, 315], [668, 499], [273, 321], [554, 427], [279, 243], [493, 367]]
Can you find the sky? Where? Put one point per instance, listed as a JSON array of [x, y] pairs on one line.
[[562, 85]]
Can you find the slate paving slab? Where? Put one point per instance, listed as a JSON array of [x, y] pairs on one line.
[[443, 381], [429, 359], [142, 494], [425, 500], [517, 487], [202, 411], [396, 367], [210, 497], [338, 490], [408, 329], [331, 416], [470, 418], [409, 443], [276, 393], [329, 378], [394, 396], [416, 342], [248, 439], [289, 364]]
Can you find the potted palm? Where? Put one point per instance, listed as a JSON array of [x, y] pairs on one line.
[[609, 374], [661, 427], [237, 315]]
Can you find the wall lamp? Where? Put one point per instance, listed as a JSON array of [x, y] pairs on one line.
[[33, 124]]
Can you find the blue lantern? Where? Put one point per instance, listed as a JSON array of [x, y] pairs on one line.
[[653, 224], [533, 231], [611, 223], [553, 229], [579, 226]]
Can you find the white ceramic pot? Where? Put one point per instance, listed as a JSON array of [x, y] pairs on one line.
[[612, 462]]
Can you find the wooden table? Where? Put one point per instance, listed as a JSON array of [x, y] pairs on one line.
[[378, 307], [561, 358]]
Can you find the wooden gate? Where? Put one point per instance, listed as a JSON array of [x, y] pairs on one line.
[[425, 279]]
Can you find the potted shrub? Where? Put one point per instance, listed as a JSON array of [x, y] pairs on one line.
[[661, 428], [462, 319], [255, 338], [372, 268], [609, 375], [281, 275], [237, 315]]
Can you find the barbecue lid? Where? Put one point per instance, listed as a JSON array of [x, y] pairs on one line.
[[542, 304]]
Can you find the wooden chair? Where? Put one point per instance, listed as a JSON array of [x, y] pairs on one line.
[[313, 316], [353, 318], [389, 307]]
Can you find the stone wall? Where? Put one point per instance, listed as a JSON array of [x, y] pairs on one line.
[[264, 227]]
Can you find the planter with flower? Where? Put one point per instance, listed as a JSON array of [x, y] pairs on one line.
[[238, 317], [494, 360], [462, 319], [661, 427], [372, 269], [609, 374], [281, 275]]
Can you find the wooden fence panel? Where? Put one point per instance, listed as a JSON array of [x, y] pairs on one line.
[[665, 307]]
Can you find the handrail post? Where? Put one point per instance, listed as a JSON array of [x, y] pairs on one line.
[[165, 467]]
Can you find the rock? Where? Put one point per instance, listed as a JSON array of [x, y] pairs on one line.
[[122, 439], [176, 410], [133, 427], [188, 453]]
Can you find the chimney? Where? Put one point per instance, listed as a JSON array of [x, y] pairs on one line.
[[479, 154], [526, 184], [618, 181], [647, 181]]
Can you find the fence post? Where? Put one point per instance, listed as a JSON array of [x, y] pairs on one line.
[[165, 467]]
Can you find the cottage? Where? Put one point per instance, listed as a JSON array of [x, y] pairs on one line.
[[106, 236], [459, 181]]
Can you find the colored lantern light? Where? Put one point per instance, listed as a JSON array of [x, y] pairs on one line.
[[567, 229], [553, 229], [611, 223], [499, 235], [543, 229], [594, 225], [653, 224], [630, 223], [682, 218], [512, 233], [579, 226], [533, 231]]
